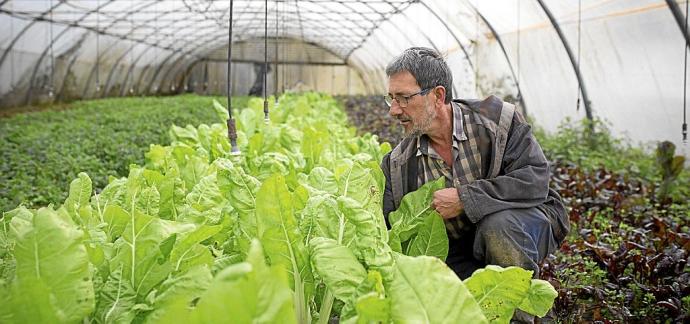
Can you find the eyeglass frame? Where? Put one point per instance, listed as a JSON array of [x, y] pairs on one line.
[[389, 99]]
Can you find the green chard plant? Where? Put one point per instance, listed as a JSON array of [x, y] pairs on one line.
[[291, 231]]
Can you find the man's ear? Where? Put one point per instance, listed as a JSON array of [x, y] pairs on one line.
[[440, 93]]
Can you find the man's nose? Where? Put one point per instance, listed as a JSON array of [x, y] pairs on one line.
[[394, 109]]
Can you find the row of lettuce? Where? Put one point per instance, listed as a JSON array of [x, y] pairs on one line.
[[291, 230]]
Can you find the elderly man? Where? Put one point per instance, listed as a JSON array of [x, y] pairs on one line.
[[497, 204]]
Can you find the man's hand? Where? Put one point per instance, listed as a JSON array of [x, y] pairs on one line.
[[447, 203]]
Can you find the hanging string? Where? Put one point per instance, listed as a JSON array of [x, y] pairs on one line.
[[98, 45], [685, 80], [579, 46], [52, 54], [172, 83], [285, 48], [131, 49], [12, 52], [232, 131], [266, 118], [275, 65], [155, 48]]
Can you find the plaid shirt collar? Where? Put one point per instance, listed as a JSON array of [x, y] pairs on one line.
[[459, 134]]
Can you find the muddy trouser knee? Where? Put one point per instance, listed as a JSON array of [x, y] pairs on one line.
[[514, 237]]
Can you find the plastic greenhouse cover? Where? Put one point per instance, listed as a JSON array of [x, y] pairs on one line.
[[630, 52]]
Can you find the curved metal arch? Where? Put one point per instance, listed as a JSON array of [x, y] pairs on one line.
[[186, 73], [358, 70], [364, 76], [38, 63], [172, 67], [132, 65], [304, 40], [93, 69], [142, 75], [106, 88], [505, 54], [576, 66], [246, 27], [372, 80], [69, 68], [679, 16], [316, 24], [160, 67], [184, 69], [202, 52], [428, 39], [371, 31], [457, 40], [155, 44], [24, 30], [27, 97], [189, 52], [376, 24]]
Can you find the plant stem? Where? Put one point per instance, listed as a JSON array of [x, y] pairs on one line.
[[326, 306]]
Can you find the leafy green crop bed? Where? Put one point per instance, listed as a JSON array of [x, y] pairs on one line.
[[41, 152], [291, 231], [627, 258]]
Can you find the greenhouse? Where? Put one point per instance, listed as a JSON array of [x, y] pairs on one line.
[[283, 161]]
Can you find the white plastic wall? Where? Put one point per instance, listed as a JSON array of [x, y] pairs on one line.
[[630, 52]]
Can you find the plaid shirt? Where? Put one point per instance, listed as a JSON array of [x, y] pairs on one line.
[[467, 161]]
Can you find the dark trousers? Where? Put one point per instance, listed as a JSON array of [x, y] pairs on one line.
[[513, 237]]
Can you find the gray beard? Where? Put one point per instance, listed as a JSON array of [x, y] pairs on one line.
[[418, 129]]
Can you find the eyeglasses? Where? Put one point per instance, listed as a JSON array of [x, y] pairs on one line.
[[403, 100]]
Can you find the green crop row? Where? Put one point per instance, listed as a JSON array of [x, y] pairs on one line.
[[42, 152], [289, 231]]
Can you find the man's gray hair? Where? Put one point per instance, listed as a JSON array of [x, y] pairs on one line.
[[426, 66]]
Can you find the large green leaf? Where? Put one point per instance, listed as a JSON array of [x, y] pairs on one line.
[[240, 189], [499, 291], [249, 121], [237, 186], [206, 195], [414, 209], [371, 236], [138, 253], [424, 290], [322, 179], [172, 195], [78, 201], [30, 292], [192, 166], [356, 181], [53, 267], [148, 201], [116, 299], [283, 243], [188, 252], [323, 217], [183, 289], [221, 112], [369, 303], [431, 239], [313, 144], [247, 292], [337, 267], [539, 299], [116, 220]]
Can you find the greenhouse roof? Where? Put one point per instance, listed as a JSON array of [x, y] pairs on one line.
[[579, 59]]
